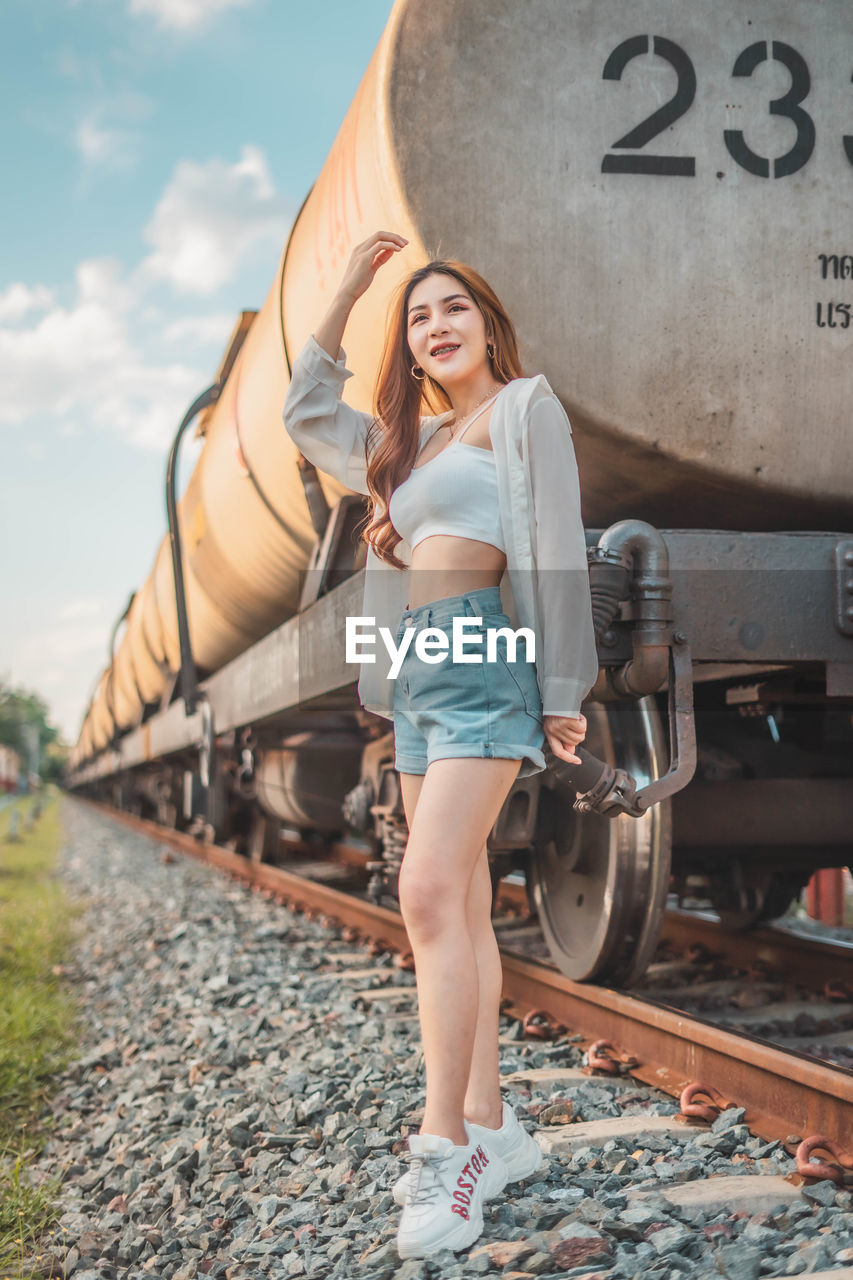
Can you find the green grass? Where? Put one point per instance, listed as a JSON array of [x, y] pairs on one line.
[[37, 1017]]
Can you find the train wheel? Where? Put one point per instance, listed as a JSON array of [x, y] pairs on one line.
[[754, 896], [600, 884]]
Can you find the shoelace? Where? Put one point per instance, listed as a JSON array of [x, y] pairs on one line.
[[424, 1192]]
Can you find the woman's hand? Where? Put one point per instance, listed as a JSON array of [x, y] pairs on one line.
[[365, 261], [564, 733]]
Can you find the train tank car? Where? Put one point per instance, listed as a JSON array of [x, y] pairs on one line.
[[662, 198]]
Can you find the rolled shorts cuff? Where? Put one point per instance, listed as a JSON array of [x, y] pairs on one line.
[[532, 760]]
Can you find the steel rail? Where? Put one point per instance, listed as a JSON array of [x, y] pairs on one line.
[[789, 952], [786, 1094], [811, 960]]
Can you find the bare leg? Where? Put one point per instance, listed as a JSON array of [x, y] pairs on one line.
[[483, 1097], [458, 803]]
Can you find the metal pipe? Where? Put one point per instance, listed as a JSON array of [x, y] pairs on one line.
[[189, 677], [625, 543], [108, 691]]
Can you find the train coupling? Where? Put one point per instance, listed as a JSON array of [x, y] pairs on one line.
[[606, 789], [601, 788]]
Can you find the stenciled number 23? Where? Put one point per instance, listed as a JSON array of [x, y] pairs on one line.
[[789, 106]]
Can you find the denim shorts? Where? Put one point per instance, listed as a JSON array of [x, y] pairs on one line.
[[445, 710]]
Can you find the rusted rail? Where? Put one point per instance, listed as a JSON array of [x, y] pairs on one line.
[[786, 1095], [774, 948]]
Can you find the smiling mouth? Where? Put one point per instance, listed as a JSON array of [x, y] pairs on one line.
[[447, 350]]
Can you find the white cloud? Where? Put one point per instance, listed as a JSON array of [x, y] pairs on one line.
[[19, 298], [202, 331], [209, 220], [81, 607], [101, 138], [62, 662], [182, 15], [105, 359], [80, 363], [73, 639], [100, 146]]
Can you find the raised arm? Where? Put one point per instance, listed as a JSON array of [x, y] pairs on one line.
[[365, 261], [328, 432]]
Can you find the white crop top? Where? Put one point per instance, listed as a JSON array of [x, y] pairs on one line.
[[451, 495]]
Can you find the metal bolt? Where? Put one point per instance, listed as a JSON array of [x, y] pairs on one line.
[[609, 639], [849, 612], [848, 557], [848, 586], [679, 637]]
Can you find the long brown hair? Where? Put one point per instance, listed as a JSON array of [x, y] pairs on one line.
[[400, 399]]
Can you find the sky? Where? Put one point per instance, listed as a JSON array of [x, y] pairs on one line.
[[154, 154]]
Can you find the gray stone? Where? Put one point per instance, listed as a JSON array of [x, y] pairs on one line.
[[811, 1257], [208, 980], [410, 1270], [538, 1263], [386, 1255], [821, 1192], [726, 1141], [669, 1240], [728, 1118], [478, 1266], [640, 1215], [761, 1236], [739, 1262]]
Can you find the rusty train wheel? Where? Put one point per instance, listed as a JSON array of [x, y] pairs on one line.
[[600, 884]]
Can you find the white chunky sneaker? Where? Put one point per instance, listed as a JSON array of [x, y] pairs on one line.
[[517, 1148], [443, 1208]]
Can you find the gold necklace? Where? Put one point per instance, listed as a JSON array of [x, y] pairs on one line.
[[458, 423]]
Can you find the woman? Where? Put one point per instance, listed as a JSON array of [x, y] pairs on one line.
[[453, 519]]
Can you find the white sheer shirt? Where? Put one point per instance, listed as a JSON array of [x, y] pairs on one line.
[[546, 582]]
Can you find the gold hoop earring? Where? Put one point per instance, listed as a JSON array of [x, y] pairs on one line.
[[418, 376]]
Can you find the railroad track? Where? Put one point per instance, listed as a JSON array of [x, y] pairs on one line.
[[787, 1095]]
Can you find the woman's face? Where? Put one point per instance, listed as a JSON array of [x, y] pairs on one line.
[[446, 330]]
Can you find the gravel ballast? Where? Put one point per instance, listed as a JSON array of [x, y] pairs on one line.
[[241, 1098]]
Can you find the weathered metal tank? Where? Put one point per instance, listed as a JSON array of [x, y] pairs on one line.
[[662, 197]]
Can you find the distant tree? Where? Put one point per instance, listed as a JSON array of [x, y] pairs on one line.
[[20, 708]]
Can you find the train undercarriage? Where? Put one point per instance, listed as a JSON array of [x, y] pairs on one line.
[[717, 764]]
